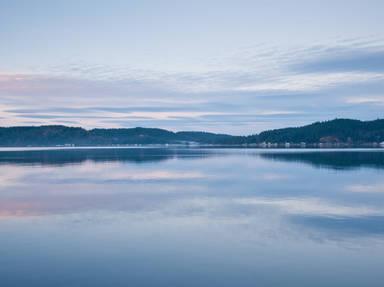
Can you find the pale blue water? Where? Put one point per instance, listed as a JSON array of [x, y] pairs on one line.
[[191, 217]]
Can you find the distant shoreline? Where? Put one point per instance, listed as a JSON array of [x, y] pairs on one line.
[[337, 133], [171, 146]]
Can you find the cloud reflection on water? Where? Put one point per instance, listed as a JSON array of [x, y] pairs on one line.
[[264, 189]]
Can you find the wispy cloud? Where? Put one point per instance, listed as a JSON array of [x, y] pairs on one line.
[[345, 60], [258, 89]]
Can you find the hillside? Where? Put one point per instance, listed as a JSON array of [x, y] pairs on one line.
[[62, 135], [334, 131]]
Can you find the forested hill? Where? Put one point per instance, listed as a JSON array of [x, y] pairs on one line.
[[335, 131], [62, 135]]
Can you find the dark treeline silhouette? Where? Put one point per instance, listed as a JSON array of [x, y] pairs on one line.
[[62, 135], [332, 132], [338, 130]]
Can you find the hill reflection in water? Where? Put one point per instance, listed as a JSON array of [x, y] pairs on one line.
[[336, 159], [77, 156]]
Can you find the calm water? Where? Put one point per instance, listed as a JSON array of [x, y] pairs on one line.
[[191, 217]]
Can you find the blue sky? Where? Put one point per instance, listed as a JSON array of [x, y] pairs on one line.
[[224, 66]]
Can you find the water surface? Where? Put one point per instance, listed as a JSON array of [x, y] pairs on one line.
[[191, 217]]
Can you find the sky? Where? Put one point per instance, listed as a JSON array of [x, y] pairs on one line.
[[235, 67]]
